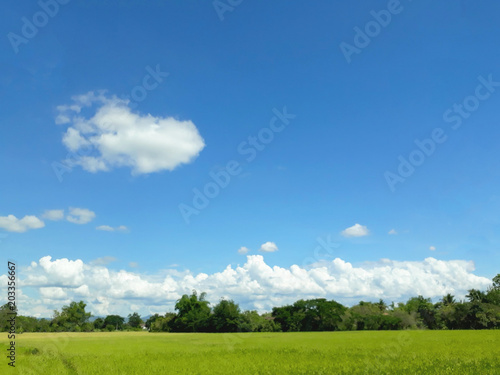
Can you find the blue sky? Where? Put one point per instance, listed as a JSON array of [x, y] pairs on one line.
[[350, 119]]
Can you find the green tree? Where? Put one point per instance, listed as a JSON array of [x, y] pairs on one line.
[[448, 300], [134, 320], [226, 317], [151, 320], [114, 321], [70, 317], [5, 314], [193, 313], [99, 323]]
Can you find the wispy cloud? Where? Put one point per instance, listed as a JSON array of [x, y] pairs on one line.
[[107, 228], [53, 215]]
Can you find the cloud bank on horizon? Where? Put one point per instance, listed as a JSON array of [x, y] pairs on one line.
[[51, 283]]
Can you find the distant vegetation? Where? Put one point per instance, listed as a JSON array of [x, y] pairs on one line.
[[194, 313]]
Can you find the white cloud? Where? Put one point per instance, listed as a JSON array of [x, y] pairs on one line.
[[12, 224], [113, 136], [255, 285], [107, 228], [269, 247], [432, 248], [393, 232], [356, 230], [80, 215], [243, 250], [54, 215]]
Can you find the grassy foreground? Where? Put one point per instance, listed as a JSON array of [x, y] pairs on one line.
[[368, 352]]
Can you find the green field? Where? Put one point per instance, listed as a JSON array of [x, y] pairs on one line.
[[362, 352]]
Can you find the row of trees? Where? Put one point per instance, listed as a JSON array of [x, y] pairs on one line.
[[72, 318], [480, 310]]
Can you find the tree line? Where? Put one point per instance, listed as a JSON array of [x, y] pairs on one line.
[[480, 310]]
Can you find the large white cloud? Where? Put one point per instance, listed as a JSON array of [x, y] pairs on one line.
[[357, 230], [104, 134], [12, 224], [255, 285]]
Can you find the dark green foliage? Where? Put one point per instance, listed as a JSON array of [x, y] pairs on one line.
[[310, 315], [114, 322], [134, 320]]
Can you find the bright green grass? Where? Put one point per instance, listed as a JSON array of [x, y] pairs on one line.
[[403, 352]]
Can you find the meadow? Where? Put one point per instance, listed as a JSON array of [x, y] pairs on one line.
[[358, 352]]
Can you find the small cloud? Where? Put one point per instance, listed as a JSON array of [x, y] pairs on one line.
[[103, 261], [357, 230], [432, 248], [269, 247], [107, 228], [243, 250], [12, 224], [133, 264], [80, 215], [393, 232], [54, 215]]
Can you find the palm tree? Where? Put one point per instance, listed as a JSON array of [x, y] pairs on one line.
[[448, 300], [476, 295]]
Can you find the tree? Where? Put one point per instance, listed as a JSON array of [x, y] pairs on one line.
[[151, 320], [476, 296], [496, 281], [99, 323], [6, 312], [448, 300], [426, 310], [70, 317], [193, 313], [134, 320], [309, 315], [114, 321], [226, 317]]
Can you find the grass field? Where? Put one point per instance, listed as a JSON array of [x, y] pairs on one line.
[[378, 352]]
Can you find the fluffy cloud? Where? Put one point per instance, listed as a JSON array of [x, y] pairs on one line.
[[432, 248], [80, 215], [243, 250], [12, 224], [110, 135], [107, 228], [393, 232], [268, 247], [255, 285], [54, 215], [356, 230]]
